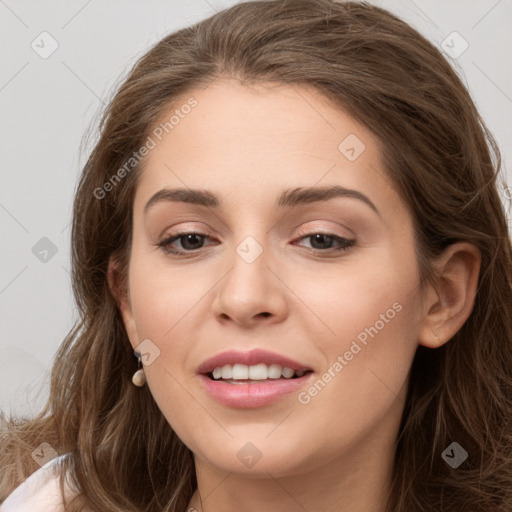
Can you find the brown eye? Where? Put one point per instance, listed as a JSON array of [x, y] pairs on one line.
[[190, 241], [326, 242]]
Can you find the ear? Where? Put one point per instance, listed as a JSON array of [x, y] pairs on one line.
[[120, 291], [450, 299]]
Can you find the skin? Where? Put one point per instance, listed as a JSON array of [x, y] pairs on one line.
[[247, 144]]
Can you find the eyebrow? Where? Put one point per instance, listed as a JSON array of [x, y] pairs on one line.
[[287, 198]]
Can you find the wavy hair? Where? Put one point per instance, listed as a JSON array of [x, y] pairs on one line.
[[440, 157]]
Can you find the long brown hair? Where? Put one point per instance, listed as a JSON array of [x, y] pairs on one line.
[[443, 161]]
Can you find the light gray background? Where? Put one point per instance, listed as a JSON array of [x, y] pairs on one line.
[[47, 105]]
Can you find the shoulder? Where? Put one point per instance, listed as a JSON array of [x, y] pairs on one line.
[[40, 491]]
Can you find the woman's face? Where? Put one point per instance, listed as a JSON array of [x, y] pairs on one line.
[[276, 261]]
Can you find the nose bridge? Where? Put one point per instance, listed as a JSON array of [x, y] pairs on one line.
[[250, 287], [249, 275]]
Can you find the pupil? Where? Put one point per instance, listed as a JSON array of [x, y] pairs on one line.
[[187, 238], [320, 237]]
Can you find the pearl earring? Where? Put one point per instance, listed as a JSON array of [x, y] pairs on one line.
[[139, 377]]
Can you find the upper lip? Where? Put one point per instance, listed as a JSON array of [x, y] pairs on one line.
[[250, 358]]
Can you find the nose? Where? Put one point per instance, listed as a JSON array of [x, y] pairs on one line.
[[251, 291]]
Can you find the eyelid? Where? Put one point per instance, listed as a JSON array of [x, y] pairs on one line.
[[340, 232], [178, 227], [182, 231]]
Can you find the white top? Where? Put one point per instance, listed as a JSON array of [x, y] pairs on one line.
[[40, 491]]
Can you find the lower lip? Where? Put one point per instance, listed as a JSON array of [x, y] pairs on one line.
[[253, 394]]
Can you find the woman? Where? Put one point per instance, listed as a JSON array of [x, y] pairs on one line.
[[300, 193]]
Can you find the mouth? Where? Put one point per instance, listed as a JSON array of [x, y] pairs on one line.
[[255, 365], [252, 379], [245, 374]]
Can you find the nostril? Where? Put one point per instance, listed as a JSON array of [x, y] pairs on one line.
[[265, 314]]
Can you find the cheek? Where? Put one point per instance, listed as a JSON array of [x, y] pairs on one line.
[[363, 385], [161, 297], [164, 304], [372, 315], [363, 297]]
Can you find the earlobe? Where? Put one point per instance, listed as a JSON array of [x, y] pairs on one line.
[[450, 299]]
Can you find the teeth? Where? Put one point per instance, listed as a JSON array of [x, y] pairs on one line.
[[240, 372], [274, 371], [288, 373], [257, 372], [227, 372]]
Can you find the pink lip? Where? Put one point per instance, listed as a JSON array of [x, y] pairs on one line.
[[256, 393], [251, 358], [252, 394]]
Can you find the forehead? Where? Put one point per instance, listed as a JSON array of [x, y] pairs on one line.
[[255, 140]]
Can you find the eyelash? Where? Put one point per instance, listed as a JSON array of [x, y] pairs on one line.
[[346, 243]]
